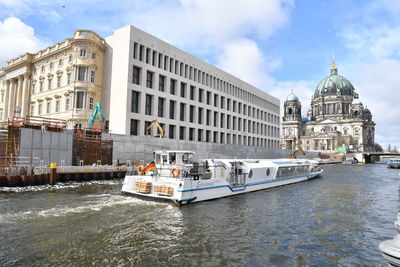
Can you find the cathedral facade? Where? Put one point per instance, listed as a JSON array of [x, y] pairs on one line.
[[337, 118]]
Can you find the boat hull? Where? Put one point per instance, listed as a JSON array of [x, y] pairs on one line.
[[208, 190]]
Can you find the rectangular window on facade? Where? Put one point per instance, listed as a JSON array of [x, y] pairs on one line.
[[171, 131], [58, 106], [68, 78], [49, 84], [182, 111], [70, 58], [228, 104], [146, 126], [161, 102], [192, 89], [215, 137], [141, 52], [215, 118], [161, 83], [153, 59], [92, 76], [32, 91], [191, 134], [51, 65], [136, 75], [208, 117], [200, 116], [191, 113], [32, 110], [200, 135], [215, 100], [135, 48], [41, 86], [91, 102], [208, 136], [135, 102], [148, 51], [228, 121], [149, 79], [67, 104], [48, 107], [222, 121], [81, 73], [60, 62], [201, 92], [83, 53], [79, 99], [183, 89], [58, 81], [181, 133], [222, 102], [40, 109], [172, 109], [149, 104], [172, 87], [208, 98], [93, 55], [134, 129]]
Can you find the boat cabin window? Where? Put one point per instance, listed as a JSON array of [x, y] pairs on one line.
[[268, 172], [187, 158], [164, 159], [158, 158], [172, 157]]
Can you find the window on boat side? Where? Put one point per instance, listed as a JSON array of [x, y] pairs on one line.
[[268, 172], [158, 158], [172, 158], [187, 158]]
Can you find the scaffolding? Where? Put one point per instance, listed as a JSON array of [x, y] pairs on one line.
[[92, 146]]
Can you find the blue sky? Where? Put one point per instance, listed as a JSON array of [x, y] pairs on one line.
[[276, 45]]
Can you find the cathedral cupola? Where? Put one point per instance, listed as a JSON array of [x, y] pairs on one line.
[[357, 108], [292, 107]]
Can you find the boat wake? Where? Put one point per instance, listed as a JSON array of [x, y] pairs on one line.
[[37, 188], [93, 204]]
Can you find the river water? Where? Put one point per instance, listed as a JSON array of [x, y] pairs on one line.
[[338, 219]]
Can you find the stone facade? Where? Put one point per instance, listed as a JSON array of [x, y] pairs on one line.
[[63, 81], [337, 118], [138, 78]]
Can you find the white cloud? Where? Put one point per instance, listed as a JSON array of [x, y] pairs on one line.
[[244, 59], [17, 38]]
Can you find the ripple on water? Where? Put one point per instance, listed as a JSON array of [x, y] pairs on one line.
[[338, 219]]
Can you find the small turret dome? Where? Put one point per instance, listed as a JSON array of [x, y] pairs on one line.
[[292, 97], [366, 111], [356, 101]]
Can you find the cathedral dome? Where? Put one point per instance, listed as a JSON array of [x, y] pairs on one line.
[[292, 97], [366, 111], [356, 101], [334, 84]]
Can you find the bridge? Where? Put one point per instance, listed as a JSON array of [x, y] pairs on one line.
[[371, 157]]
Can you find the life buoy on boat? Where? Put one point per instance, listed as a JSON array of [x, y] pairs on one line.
[[175, 172], [140, 169]]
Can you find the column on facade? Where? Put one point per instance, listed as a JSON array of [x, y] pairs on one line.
[[6, 102], [11, 98], [19, 93], [25, 96]]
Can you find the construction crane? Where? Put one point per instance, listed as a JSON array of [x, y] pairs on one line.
[[162, 133], [96, 111], [294, 155]]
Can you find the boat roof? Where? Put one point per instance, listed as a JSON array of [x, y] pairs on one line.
[[169, 151]]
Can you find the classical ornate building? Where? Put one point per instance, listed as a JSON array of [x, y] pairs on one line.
[[336, 118], [63, 81]]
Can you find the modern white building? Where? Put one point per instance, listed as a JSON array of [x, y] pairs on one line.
[[146, 78]]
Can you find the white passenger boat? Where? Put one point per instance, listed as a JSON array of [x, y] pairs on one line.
[[390, 249], [393, 163], [176, 177]]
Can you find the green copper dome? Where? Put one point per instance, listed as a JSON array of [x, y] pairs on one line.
[[334, 84], [356, 101], [366, 111], [292, 97]]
